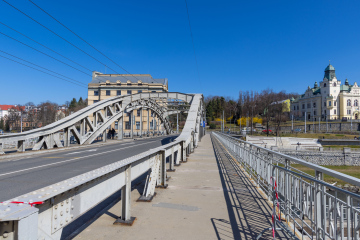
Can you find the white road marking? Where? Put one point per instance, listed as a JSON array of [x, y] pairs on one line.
[[91, 150], [70, 160]]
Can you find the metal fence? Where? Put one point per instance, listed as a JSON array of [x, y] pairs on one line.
[[310, 206]]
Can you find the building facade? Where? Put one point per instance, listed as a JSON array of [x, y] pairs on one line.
[[104, 86], [328, 100]]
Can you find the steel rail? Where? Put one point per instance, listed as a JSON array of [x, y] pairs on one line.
[[305, 201]]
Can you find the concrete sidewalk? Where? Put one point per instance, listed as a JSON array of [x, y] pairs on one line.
[[208, 198]]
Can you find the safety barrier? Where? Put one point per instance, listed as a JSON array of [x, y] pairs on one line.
[[43, 214], [313, 208]]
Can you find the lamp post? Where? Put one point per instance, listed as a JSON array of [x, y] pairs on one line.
[[305, 122]]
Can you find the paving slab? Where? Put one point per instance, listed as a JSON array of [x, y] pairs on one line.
[[208, 197]]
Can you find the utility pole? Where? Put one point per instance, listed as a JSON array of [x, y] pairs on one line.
[[177, 120], [305, 122], [21, 121], [292, 123]]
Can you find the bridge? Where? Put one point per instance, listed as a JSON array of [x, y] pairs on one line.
[[259, 193]]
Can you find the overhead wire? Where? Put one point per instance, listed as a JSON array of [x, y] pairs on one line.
[[44, 53], [40, 70], [42, 67], [82, 39], [58, 35], [45, 46], [192, 40]]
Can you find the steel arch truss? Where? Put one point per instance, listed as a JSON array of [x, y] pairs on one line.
[[89, 123]]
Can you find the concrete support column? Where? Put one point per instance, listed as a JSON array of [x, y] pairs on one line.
[[148, 122], [132, 123], [141, 121], [104, 136], [120, 128], [2, 148], [21, 146], [158, 125], [95, 117], [67, 137], [126, 218], [82, 127]]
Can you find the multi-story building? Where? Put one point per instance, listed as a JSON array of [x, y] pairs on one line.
[[104, 86], [328, 100]]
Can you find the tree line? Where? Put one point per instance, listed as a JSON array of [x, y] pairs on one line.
[[249, 104], [34, 116]]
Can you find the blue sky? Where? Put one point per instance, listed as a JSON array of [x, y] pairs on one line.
[[240, 45]]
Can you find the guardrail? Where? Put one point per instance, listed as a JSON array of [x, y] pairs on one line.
[[60, 204], [311, 206]]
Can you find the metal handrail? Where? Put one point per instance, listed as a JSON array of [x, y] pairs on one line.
[[306, 203]]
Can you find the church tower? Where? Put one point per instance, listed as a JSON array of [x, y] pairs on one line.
[[329, 72]]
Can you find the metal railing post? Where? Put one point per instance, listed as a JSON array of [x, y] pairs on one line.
[[320, 215], [126, 218]]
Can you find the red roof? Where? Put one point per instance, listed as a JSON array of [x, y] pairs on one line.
[[7, 107]]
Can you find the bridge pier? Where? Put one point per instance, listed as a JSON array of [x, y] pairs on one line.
[[21, 146], [126, 218], [132, 123], [120, 128], [1, 148], [141, 121], [66, 137]]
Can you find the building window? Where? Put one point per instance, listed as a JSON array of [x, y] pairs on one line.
[[324, 84], [324, 104], [118, 92], [153, 91], [95, 101], [308, 105], [129, 84], [116, 125], [314, 104], [334, 103], [297, 107], [334, 84], [127, 125], [128, 92], [107, 92], [303, 106], [349, 111], [152, 113], [314, 113], [329, 103], [137, 125], [139, 91], [348, 102], [303, 114], [356, 103], [138, 113], [294, 108], [96, 93], [334, 111], [152, 124]]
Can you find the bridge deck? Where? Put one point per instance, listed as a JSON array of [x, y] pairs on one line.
[[209, 197]]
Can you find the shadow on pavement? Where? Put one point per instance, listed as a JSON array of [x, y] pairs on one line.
[[249, 214]]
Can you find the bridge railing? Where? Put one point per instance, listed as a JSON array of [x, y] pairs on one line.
[[62, 203], [314, 209]]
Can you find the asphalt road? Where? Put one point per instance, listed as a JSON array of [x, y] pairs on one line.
[[23, 175]]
